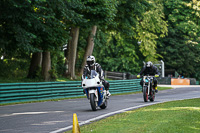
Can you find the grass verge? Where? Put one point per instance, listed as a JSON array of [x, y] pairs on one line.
[[177, 116], [164, 88]]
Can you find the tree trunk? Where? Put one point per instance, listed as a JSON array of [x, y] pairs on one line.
[[90, 47], [73, 42], [66, 73], [36, 63], [46, 65]]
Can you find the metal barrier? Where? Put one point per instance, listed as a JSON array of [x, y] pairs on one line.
[[36, 91]]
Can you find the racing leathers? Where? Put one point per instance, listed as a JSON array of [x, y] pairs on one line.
[[99, 70], [151, 71]]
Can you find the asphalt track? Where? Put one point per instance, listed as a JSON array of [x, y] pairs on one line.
[[57, 116]]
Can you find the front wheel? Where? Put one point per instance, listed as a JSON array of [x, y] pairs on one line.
[[104, 105], [152, 95], [145, 93], [93, 103]]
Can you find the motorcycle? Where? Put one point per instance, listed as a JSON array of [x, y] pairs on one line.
[[95, 91], [148, 89]]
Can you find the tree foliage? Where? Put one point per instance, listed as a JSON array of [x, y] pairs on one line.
[[135, 21], [168, 30], [180, 49]]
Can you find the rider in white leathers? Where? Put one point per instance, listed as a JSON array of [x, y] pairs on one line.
[[92, 65]]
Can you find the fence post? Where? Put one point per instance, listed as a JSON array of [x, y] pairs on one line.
[[124, 76]]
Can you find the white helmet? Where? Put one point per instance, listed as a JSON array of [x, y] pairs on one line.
[[90, 60], [149, 64]]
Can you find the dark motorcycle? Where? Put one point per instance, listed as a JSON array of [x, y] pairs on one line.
[[148, 89]]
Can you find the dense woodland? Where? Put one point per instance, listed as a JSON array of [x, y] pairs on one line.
[[46, 39]]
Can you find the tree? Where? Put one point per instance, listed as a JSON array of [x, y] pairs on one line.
[[73, 42], [35, 65], [46, 65], [180, 48], [33, 26], [135, 21], [99, 13], [90, 46]]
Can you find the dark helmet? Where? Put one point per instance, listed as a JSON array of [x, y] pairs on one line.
[[90, 60], [149, 64]]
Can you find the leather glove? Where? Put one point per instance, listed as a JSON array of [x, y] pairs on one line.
[[138, 76], [156, 75]]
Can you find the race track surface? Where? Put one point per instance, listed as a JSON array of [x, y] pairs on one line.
[[57, 116]]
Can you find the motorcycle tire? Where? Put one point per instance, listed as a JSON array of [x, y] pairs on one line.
[[104, 105], [152, 96], [145, 94], [93, 103]]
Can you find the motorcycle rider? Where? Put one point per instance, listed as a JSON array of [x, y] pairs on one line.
[[149, 69], [92, 65]]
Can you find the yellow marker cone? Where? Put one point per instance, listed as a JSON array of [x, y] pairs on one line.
[[76, 128]]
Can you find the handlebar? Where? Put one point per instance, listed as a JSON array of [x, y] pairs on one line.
[[138, 76]]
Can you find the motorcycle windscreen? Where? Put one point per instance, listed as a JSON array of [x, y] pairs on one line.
[[93, 74]]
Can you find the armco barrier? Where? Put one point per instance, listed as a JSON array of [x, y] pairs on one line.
[[36, 91]]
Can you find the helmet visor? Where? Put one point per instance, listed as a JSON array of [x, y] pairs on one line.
[[148, 65], [90, 63]]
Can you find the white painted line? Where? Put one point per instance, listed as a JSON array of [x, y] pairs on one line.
[[112, 113], [62, 129]]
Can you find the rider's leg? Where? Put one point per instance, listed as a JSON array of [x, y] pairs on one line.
[[141, 83], [84, 92], [106, 85], [155, 84], [83, 89]]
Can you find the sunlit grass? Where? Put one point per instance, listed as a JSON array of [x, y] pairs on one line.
[[164, 88], [177, 116]]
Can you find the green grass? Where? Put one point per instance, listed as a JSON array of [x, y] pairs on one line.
[[164, 88], [170, 117]]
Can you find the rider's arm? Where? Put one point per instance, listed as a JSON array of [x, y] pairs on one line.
[[85, 71], [142, 70], [100, 71], [156, 70]]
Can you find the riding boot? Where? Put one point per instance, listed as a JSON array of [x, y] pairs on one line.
[[156, 89], [84, 92], [108, 93]]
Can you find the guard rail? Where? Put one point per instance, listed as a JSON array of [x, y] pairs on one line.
[[37, 91]]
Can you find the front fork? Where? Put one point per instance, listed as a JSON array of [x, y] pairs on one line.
[[95, 93], [149, 86]]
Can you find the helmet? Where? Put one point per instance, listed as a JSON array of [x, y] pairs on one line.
[[149, 64], [90, 60]]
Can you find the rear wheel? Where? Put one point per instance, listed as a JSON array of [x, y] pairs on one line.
[[93, 103], [145, 93], [104, 105]]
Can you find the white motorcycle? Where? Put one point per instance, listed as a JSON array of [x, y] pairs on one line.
[[95, 91]]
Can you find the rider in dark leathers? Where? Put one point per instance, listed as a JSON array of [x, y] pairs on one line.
[[91, 65], [149, 69]]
